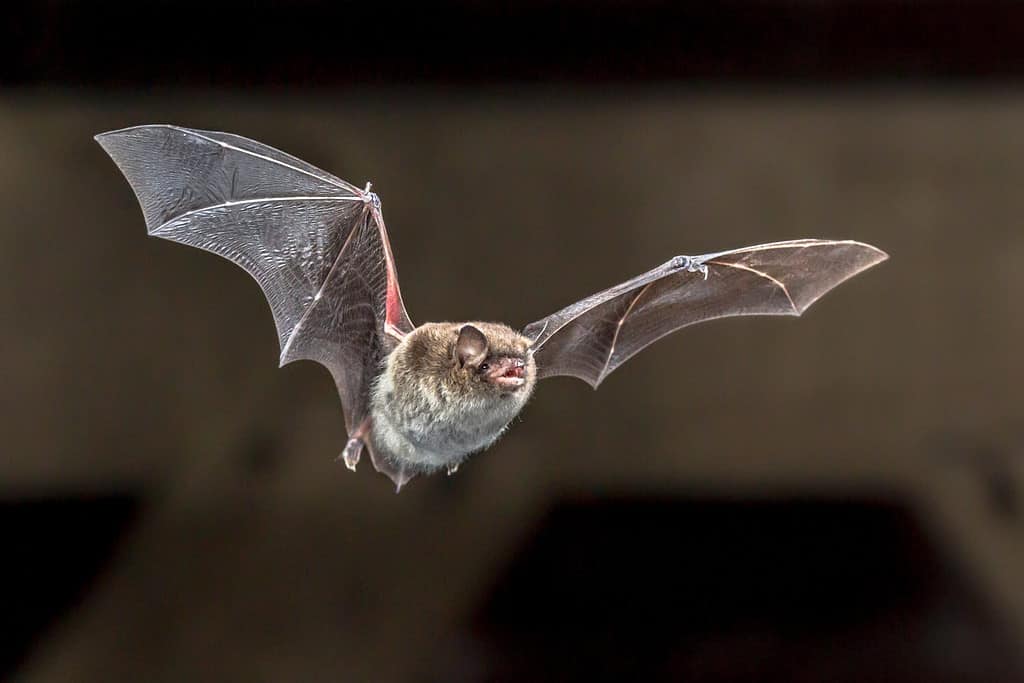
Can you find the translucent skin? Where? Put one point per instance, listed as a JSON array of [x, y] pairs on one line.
[[426, 397], [431, 411]]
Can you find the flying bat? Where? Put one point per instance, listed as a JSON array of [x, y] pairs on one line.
[[420, 399]]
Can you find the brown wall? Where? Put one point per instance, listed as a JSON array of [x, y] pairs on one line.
[[132, 363]]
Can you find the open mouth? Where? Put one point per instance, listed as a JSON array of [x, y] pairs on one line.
[[511, 374], [517, 370]]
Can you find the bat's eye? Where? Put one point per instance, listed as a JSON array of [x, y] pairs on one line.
[[484, 367]]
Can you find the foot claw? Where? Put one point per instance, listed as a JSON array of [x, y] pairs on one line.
[[452, 469], [353, 449]]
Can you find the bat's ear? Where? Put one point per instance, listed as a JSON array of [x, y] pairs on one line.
[[471, 346]]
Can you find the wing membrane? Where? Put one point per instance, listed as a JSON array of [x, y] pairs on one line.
[[316, 244], [592, 337]]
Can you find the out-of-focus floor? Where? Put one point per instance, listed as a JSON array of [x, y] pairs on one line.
[[139, 367]]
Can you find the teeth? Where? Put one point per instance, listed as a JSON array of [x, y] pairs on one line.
[[514, 374]]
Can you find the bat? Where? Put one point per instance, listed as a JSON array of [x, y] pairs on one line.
[[420, 399]]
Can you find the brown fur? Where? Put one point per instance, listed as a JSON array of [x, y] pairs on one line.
[[430, 411]]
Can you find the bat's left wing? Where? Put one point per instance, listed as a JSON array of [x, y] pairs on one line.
[[316, 245], [592, 337]]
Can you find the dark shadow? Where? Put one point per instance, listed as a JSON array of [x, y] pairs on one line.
[[275, 44], [695, 590], [53, 551]]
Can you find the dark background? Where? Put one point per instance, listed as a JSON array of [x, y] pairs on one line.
[[834, 498]]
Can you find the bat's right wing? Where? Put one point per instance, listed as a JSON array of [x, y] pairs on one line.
[[592, 337], [316, 245]]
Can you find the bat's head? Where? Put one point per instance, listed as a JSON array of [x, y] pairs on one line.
[[490, 357]]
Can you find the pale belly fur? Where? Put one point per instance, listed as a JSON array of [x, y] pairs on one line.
[[428, 428]]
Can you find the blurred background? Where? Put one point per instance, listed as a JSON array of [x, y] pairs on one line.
[[831, 498]]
